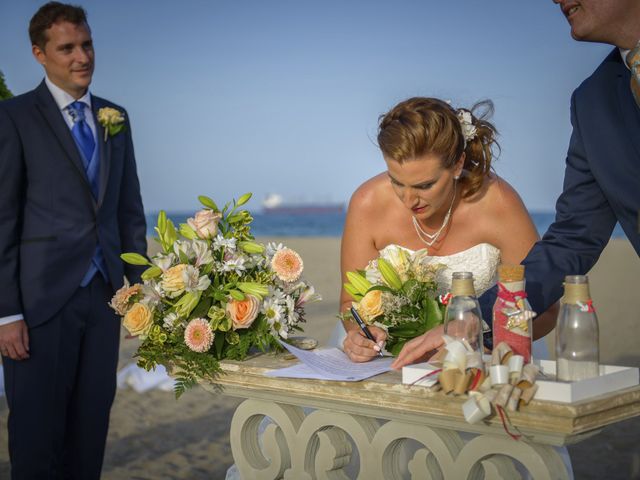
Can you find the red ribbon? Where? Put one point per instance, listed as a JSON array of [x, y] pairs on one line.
[[589, 306], [426, 375], [445, 299], [508, 295], [503, 417]]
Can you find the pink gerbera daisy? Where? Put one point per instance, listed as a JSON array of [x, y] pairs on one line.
[[287, 264], [198, 335]]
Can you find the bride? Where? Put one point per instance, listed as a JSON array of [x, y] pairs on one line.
[[438, 193]]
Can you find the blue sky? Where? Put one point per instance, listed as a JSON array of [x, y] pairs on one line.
[[283, 96]]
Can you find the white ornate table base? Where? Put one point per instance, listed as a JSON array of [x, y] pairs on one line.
[[297, 446]]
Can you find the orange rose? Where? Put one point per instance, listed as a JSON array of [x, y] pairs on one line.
[[243, 312], [370, 306], [138, 319]]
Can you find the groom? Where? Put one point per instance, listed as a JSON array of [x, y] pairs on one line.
[[602, 176], [69, 206]]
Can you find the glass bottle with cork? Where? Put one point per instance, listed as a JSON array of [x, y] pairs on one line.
[[463, 317], [577, 334], [512, 315]]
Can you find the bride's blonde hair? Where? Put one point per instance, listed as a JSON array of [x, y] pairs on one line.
[[427, 126]]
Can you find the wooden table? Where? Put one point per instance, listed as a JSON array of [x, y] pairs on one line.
[[382, 417]]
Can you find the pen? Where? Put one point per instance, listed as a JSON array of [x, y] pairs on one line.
[[364, 328]]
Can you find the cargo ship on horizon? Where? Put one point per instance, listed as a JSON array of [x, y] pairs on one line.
[[274, 203]]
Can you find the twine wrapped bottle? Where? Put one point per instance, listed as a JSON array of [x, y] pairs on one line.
[[512, 315], [463, 317], [577, 334]]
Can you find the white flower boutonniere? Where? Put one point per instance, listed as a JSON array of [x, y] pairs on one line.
[[112, 121]]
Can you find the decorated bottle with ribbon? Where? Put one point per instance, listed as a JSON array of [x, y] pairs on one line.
[[512, 315], [463, 317], [577, 338]]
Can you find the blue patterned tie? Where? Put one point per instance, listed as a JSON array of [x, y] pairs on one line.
[[84, 139]]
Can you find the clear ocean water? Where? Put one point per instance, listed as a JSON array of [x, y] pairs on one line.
[[321, 225]]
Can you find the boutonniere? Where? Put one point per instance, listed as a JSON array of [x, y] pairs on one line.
[[112, 121]]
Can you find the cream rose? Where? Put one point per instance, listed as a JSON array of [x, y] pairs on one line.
[[138, 319], [205, 223], [243, 312], [370, 306], [173, 280]]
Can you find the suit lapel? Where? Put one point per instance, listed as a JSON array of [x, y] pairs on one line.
[[104, 150], [50, 111], [629, 108]]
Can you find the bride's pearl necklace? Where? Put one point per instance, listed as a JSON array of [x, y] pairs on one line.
[[430, 238]]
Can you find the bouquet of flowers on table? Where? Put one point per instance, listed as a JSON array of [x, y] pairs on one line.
[[397, 292], [211, 293]]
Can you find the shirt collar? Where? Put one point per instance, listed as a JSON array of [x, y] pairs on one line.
[[62, 98]]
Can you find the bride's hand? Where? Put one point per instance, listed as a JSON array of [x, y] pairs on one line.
[[359, 348], [420, 348]]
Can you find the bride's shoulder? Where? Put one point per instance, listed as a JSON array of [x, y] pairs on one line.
[[371, 194], [497, 196]]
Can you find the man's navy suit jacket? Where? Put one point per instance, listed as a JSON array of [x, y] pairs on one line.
[[50, 223], [601, 186]]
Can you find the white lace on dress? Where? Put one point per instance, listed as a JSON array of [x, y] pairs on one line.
[[482, 260]]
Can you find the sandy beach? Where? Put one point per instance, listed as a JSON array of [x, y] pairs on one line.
[[153, 436]]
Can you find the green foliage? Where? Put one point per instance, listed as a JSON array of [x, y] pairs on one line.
[[4, 90]]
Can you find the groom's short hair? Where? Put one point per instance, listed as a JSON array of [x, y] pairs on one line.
[[50, 13]]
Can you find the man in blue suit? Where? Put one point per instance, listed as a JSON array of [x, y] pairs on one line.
[[602, 176], [69, 206]]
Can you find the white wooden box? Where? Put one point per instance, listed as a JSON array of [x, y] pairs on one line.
[[611, 378]]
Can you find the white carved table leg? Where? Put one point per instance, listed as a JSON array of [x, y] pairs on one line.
[[295, 447]]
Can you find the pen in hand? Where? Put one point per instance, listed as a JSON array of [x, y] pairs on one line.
[[364, 328]]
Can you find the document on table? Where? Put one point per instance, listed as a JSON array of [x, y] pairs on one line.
[[330, 364]]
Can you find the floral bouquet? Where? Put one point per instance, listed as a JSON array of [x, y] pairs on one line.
[[397, 292], [212, 293]]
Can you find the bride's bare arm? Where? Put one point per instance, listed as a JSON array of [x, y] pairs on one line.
[[357, 249]]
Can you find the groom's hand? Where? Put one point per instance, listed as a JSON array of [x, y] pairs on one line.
[[420, 348], [14, 340]]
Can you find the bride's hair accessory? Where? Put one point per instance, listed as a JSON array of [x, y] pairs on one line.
[[433, 237], [469, 130]]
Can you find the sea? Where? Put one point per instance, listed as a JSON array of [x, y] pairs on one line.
[[320, 224]]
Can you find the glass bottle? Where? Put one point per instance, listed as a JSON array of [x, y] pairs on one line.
[[512, 315], [463, 317], [577, 337]]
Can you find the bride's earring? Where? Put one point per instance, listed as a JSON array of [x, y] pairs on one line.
[[456, 178]]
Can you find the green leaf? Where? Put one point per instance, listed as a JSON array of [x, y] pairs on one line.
[[232, 338], [188, 232], [237, 295], [162, 222], [389, 274], [202, 308], [434, 314], [361, 284], [244, 199], [251, 247], [235, 218], [353, 291], [151, 272], [207, 202], [218, 343], [253, 288], [134, 259]]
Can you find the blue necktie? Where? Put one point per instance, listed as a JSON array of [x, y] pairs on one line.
[[83, 136]]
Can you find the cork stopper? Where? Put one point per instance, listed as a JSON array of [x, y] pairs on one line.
[[462, 285], [576, 289], [510, 273]]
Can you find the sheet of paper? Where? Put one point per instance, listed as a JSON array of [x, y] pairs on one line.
[[330, 364]]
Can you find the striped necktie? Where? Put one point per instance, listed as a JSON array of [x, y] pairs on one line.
[[633, 61]]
